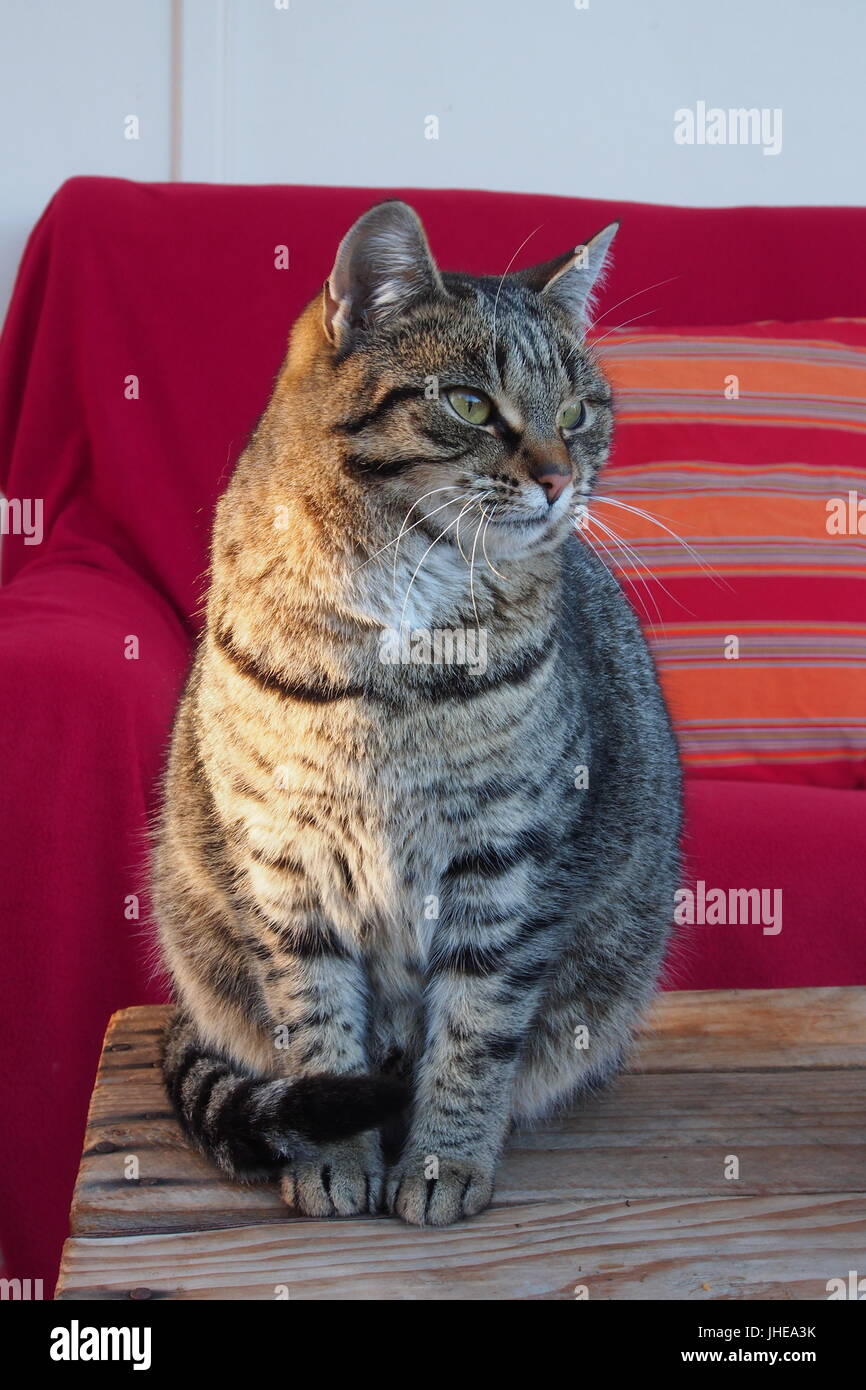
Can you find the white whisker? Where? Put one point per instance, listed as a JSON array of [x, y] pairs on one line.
[[455, 522], [617, 326], [484, 547], [502, 279], [629, 297], [449, 487], [649, 516], [396, 539], [636, 565], [613, 567], [618, 567], [472, 566]]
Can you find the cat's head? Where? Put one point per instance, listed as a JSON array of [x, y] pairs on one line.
[[469, 399]]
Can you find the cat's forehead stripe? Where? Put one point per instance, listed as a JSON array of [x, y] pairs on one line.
[[510, 414]]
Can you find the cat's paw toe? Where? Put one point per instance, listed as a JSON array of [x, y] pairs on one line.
[[341, 1180], [463, 1187]]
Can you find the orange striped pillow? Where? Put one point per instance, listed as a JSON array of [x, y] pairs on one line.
[[749, 443]]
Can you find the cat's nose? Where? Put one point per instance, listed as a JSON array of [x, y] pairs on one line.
[[554, 484]]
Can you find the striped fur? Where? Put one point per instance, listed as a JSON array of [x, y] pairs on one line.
[[370, 870], [254, 1126]]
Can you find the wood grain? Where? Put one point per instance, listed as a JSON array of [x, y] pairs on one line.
[[774, 1079], [746, 1247], [755, 1030]]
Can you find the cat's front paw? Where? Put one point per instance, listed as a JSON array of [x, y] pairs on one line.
[[428, 1191], [342, 1179]]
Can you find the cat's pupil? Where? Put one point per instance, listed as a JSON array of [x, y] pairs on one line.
[[471, 406], [571, 417]]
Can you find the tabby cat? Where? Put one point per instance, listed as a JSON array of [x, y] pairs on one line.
[[406, 898]]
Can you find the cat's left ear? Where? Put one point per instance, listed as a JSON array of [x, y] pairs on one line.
[[383, 264], [573, 279]]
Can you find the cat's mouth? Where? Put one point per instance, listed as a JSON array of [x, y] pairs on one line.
[[532, 520], [515, 519], [524, 514]]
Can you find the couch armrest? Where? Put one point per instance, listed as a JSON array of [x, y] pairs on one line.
[[91, 663]]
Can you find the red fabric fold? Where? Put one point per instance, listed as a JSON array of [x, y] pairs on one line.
[[82, 733]]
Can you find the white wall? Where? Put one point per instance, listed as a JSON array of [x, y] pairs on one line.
[[530, 94], [69, 75]]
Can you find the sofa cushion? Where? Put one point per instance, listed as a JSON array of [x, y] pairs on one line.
[[748, 442]]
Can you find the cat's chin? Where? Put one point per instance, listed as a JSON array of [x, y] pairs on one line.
[[517, 535]]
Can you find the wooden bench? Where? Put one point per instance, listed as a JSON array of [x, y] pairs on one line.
[[627, 1198]]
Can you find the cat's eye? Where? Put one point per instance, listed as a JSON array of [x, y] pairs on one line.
[[574, 416], [471, 406]]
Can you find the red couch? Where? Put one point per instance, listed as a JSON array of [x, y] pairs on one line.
[[176, 286]]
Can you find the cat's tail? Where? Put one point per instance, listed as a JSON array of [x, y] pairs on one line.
[[252, 1126]]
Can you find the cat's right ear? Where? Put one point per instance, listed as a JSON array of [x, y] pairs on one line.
[[572, 280], [383, 265]]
